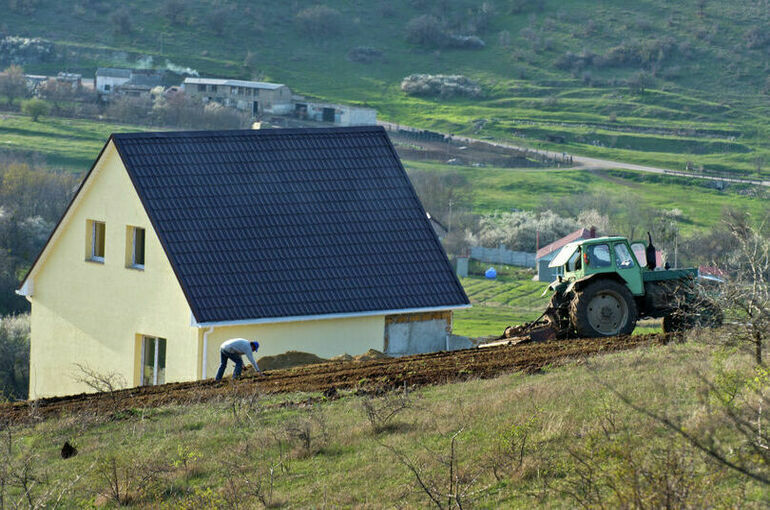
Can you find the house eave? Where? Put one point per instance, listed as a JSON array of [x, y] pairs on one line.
[[302, 318]]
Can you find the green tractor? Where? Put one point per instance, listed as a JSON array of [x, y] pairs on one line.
[[606, 284]]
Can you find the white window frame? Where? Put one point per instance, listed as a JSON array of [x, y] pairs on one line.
[[94, 257], [156, 341], [134, 265]]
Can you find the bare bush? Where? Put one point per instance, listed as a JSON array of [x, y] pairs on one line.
[[309, 431], [173, 11], [441, 477], [511, 448], [440, 85], [122, 21], [614, 471], [746, 297], [380, 411], [426, 30], [365, 54], [319, 21], [128, 481]]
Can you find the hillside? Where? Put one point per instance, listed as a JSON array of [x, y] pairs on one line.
[[559, 438], [649, 82]]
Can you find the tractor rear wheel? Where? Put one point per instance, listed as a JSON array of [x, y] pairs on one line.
[[603, 308]]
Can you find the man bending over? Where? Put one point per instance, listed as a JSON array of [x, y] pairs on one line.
[[233, 349]]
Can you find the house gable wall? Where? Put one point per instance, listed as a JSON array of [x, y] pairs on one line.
[[94, 314]]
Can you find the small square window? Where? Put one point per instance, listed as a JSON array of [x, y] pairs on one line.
[[95, 231], [135, 242]]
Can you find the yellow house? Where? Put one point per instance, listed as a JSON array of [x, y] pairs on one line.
[[311, 240]]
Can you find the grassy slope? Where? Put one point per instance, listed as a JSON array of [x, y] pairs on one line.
[[496, 189], [68, 143], [711, 82], [206, 454]]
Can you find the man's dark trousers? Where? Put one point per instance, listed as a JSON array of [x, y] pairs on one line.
[[236, 358]]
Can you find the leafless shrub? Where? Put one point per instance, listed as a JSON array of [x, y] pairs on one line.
[[511, 449], [745, 298], [245, 404], [616, 472], [380, 411], [128, 481], [310, 431], [101, 382], [262, 484], [25, 471], [365, 54], [453, 487], [319, 21]]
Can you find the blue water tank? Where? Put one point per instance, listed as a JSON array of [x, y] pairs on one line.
[[490, 273]]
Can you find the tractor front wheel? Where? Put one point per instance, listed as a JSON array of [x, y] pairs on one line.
[[603, 308]]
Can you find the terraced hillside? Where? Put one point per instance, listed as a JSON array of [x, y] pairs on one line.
[[673, 85]]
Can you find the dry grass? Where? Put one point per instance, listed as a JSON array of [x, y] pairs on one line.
[[521, 441]]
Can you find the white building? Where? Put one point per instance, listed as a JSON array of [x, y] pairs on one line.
[[108, 78], [340, 115]]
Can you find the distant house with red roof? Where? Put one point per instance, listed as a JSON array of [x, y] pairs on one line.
[[545, 254]]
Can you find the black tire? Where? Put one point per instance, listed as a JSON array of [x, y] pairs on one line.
[[603, 308]]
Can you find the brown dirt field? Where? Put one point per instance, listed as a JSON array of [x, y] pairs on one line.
[[371, 376]]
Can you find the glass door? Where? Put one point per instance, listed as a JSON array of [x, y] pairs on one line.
[[153, 361]]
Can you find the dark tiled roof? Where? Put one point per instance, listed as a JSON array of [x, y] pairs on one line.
[[284, 223], [113, 72]]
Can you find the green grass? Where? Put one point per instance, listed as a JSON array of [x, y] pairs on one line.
[[496, 189], [64, 143], [706, 106], [212, 455]]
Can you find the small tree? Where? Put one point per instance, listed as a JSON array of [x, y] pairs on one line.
[[217, 20], [13, 84], [121, 20], [35, 107], [173, 11], [426, 31], [319, 21], [746, 297], [640, 82]]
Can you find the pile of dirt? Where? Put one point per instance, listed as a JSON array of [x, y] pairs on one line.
[[342, 357], [288, 359], [370, 355]]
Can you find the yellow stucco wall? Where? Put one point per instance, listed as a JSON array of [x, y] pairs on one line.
[[324, 338], [92, 313], [95, 314]]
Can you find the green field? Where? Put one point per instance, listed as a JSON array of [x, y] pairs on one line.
[[706, 102], [63, 143], [498, 189]]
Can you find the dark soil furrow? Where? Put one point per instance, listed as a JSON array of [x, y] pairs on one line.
[[373, 375]]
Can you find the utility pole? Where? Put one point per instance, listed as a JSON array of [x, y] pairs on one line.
[[449, 227]]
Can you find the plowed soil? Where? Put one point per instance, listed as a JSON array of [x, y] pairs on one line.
[[372, 375]]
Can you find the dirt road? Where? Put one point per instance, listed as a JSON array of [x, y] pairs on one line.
[[420, 370], [590, 163]]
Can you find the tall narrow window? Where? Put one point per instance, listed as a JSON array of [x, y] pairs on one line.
[[153, 361], [135, 247], [95, 240]]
